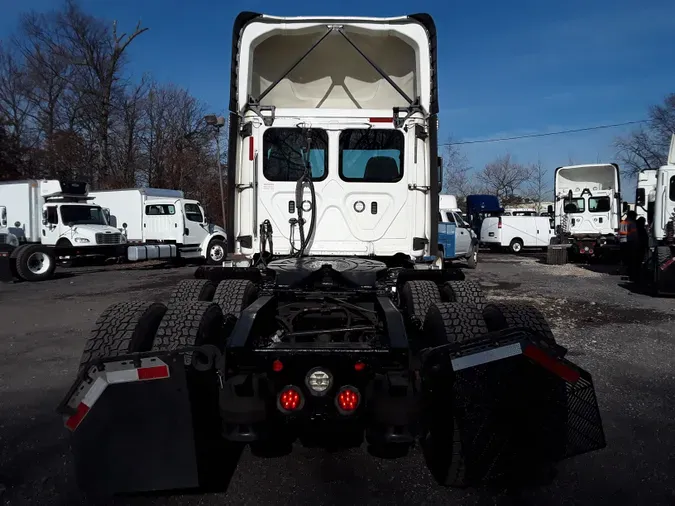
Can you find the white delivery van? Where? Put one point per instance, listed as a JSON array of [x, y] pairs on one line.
[[516, 232]]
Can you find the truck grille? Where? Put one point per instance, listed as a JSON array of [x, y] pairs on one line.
[[3, 238], [108, 238]]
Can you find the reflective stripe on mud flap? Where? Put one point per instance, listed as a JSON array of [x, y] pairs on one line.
[[554, 365], [484, 357], [666, 264], [114, 373]]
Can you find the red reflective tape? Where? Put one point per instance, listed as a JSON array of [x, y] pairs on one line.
[[667, 264], [381, 120], [553, 365], [156, 372], [4, 254], [250, 148], [76, 419]]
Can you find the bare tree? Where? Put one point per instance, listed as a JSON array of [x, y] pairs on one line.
[[539, 185], [457, 173], [504, 177], [647, 146], [98, 54]]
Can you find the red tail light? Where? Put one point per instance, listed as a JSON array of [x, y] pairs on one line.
[[277, 366], [359, 366], [499, 224], [290, 399], [347, 400]]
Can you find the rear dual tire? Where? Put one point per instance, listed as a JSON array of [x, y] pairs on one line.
[[442, 440]]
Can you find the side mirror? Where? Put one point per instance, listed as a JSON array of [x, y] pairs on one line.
[[550, 209], [640, 197], [440, 173], [124, 225], [44, 217], [625, 207]]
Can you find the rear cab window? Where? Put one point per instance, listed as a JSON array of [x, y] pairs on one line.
[[284, 151], [599, 204], [371, 156], [574, 205]]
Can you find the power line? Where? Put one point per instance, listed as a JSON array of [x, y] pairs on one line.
[[545, 134]]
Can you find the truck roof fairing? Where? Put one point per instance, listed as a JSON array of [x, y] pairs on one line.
[[333, 75]]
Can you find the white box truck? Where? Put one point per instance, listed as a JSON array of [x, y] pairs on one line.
[[50, 221], [588, 208], [160, 223]]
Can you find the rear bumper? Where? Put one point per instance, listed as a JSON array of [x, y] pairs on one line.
[[250, 400]]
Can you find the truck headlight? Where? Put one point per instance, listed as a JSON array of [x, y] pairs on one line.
[[82, 240]]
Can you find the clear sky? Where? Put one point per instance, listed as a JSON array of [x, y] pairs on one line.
[[505, 67]]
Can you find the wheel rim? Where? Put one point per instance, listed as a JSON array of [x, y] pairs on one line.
[[217, 253], [38, 263], [516, 247]]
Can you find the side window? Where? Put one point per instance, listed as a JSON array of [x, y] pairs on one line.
[[671, 192], [160, 209], [450, 216], [193, 213], [284, 152], [52, 215], [371, 156], [460, 221]]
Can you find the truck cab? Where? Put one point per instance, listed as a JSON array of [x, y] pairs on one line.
[[362, 135], [72, 224], [588, 207], [184, 222]]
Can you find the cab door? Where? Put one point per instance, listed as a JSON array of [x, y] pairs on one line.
[[162, 221], [462, 234], [195, 226], [51, 231]]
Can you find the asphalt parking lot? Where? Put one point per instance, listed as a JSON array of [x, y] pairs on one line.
[[626, 340]]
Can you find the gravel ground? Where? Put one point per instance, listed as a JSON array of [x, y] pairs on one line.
[[624, 339]]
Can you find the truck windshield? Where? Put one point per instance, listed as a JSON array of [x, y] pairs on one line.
[[599, 204], [83, 215], [574, 205], [284, 150], [371, 155]]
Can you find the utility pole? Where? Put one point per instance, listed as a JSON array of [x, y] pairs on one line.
[[217, 122]]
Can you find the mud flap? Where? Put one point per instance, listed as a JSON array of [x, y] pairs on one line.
[[519, 406], [132, 428], [6, 274], [664, 271]]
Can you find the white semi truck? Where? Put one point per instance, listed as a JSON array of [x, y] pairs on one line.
[[588, 208], [341, 332], [50, 221], [659, 268], [160, 223]]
